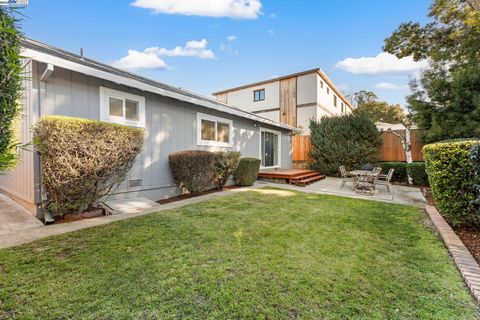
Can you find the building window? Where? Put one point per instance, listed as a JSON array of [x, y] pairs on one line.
[[122, 108], [328, 90], [321, 84], [259, 95], [270, 148], [214, 131], [343, 107], [335, 100]]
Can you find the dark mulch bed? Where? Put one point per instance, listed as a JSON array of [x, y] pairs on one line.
[[188, 195], [70, 217]]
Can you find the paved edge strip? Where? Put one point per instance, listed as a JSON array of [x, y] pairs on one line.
[[466, 264]]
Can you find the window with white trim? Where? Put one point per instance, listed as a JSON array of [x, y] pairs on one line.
[[122, 107], [270, 148], [214, 131]]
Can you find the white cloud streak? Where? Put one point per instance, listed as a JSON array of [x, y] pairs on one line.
[[136, 60], [383, 63], [231, 38], [235, 9], [390, 86]]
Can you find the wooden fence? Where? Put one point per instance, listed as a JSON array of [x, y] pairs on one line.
[[391, 150]]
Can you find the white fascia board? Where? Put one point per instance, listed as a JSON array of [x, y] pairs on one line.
[[70, 65]]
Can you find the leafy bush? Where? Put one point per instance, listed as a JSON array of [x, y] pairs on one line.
[[247, 171], [192, 170], [451, 178], [225, 165], [474, 155], [348, 140], [416, 170], [10, 86], [400, 173], [83, 160]]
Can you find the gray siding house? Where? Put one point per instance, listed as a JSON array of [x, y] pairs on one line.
[[62, 83]]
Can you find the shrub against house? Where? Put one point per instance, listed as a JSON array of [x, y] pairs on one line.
[[83, 160]]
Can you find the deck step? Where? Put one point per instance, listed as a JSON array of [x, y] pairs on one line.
[[306, 180]]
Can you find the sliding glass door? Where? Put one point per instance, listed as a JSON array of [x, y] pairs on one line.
[[270, 148]]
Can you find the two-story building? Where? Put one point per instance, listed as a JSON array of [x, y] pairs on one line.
[[293, 99]]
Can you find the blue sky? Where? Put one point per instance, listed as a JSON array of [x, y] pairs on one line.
[[233, 42]]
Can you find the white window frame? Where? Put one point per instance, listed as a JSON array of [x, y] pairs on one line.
[[211, 143], [279, 165], [106, 93]]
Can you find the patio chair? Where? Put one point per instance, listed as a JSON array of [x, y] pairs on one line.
[[377, 171], [346, 177], [384, 179]]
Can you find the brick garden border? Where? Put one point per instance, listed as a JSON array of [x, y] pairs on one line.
[[464, 260]]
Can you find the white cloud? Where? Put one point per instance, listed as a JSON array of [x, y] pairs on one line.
[[343, 87], [191, 49], [140, 60], [390, 86], [273, 15], [236, 9], [383, 63], [270, 31], [232, 38]]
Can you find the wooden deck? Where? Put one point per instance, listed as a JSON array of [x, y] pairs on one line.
[[292, 176]]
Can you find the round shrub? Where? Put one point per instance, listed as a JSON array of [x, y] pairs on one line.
[[247, 171], [83, 160], [225, 165], [192, 170], [400, 173], [348, 140], [451, 178], [416, 170]]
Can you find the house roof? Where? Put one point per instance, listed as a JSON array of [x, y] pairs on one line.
[[48, 54], [292, 75]]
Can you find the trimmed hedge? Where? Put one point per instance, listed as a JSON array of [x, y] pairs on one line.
[[450, 173], [416, 170], [349, 140], [192, 170], [225, 165], [10, 86], [83, 160], [247, 171], [474, 155], [400, 173]]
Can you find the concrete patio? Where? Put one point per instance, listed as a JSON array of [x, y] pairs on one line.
[[400, 194]]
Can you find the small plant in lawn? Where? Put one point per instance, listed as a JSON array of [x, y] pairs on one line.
[[193, 170], [247, 171], [83, 160], [225, 165]]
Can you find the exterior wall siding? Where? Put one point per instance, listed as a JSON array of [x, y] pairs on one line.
[[244, 98], [19, 182], [170, 126]]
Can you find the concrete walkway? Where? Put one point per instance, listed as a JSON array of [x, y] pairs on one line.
[[400, 194], [14, 217]]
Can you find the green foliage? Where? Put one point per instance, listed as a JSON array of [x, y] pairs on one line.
[[83, 160], [450, 173], [445, 103], [247, 171], [193, 170], [225, 165], [348, 140], [416, 170], [10, 86], [474, 155], [400, 173], [378, 111]]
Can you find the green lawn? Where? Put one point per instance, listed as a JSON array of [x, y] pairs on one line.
[[262, 254]]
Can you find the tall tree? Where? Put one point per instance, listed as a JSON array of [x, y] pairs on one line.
[[445, 101], [10, 85], [378, 111]]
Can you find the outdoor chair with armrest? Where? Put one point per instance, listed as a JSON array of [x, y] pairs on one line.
[[346, 177], [384, 179]]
